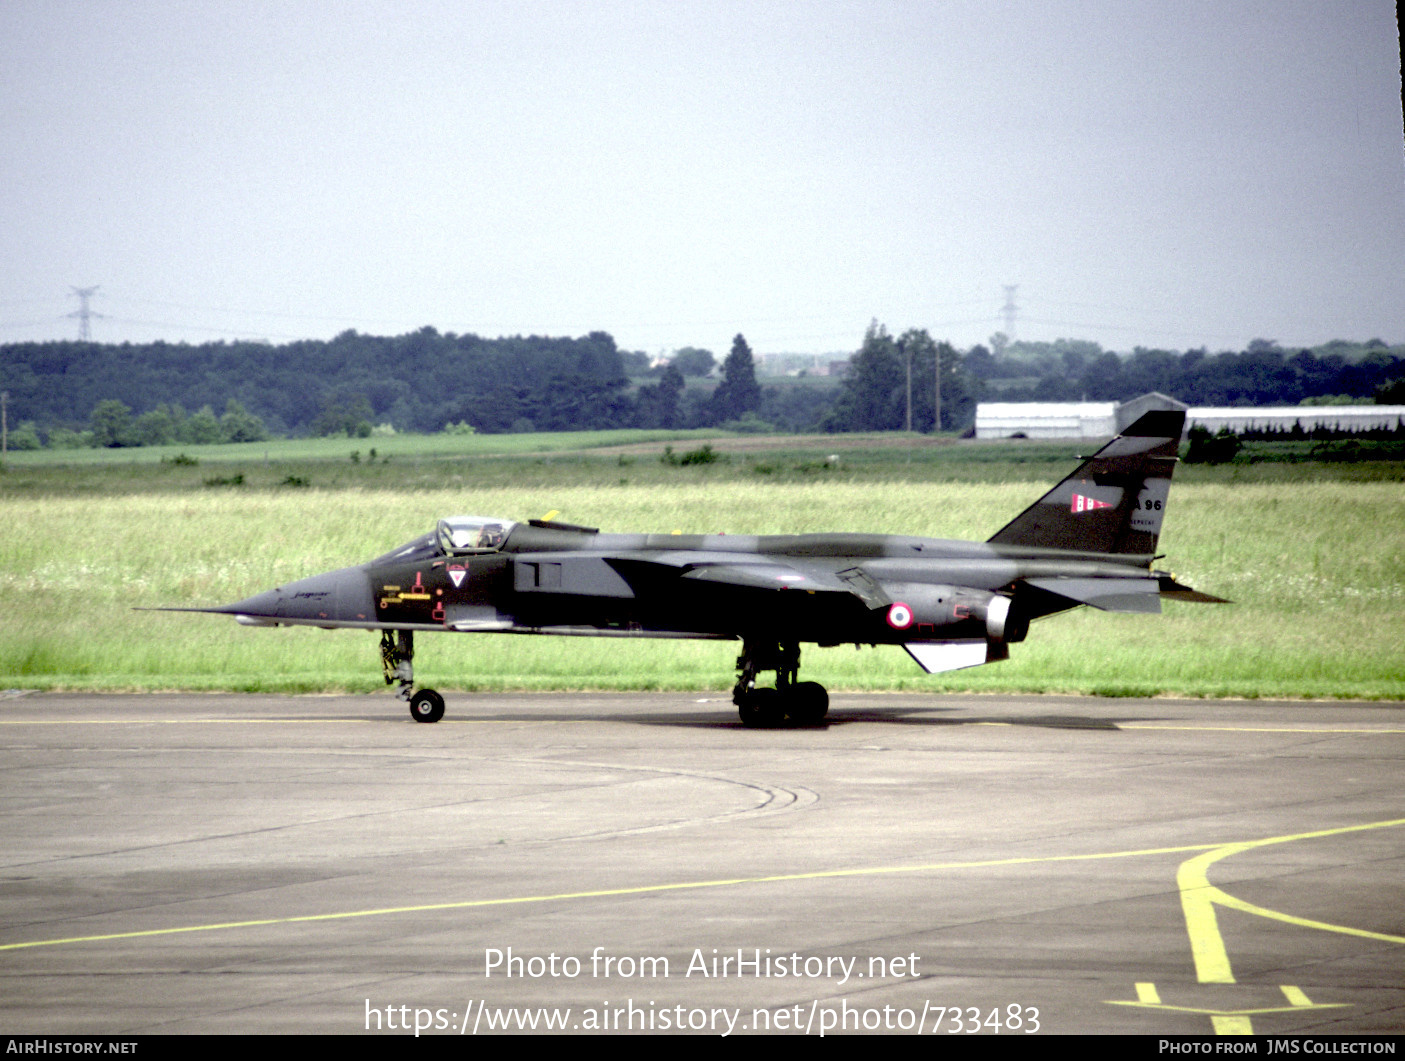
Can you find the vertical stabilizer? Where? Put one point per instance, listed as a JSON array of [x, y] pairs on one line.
[[1114, 502]]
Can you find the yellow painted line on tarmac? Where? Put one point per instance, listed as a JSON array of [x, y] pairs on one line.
[[289, 721], [609, 893], [1229, 729], [1234, 1015], [1257, 729], [1232, 1024], [1199, 898], [580, 721], [1229, 1021], [1212, 966], [1197, 894], [170, 721], [1198, 905]]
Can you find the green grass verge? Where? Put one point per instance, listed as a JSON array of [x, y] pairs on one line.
[[401, 446], [1314, 561]]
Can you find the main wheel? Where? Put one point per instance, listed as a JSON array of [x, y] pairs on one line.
[[809, 703], [426, 706], [761, 709]]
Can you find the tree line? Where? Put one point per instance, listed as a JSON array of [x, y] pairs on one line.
[[1264, 373], [135, 394], [126, 395]]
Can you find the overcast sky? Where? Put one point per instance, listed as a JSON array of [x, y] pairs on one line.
[[1170, 174]]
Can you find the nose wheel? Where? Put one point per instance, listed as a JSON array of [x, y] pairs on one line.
[[426, 706], [397, 663]]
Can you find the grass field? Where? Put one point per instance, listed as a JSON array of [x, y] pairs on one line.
[[1313, 557], [401, 447]]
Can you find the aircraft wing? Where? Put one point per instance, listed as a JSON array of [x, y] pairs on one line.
[[762, 572], [767, 574], [614, 574]]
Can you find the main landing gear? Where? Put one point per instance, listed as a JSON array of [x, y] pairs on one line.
[[790, 702], [397, 661]]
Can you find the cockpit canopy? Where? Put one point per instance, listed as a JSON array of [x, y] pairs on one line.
[[455, 536], [472, 534]]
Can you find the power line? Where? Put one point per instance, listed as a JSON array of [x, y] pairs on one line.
[[1145, 329], [202, 328]]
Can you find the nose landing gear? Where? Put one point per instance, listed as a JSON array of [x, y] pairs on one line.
[[791, 702], [397, 663]]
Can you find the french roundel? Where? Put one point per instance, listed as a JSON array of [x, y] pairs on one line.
[[899, 616]]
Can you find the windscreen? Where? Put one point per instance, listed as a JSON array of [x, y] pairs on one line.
[[473, 534], [425, 547]]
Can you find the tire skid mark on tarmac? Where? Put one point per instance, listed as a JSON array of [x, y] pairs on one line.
[[777, 799]]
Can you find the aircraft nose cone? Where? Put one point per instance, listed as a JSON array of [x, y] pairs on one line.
[[342, 596]]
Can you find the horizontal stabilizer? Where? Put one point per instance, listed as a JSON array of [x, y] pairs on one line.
[[934, 657], [1173, 590], [1109, 594]]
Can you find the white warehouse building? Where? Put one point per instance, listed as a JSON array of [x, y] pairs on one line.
[[1105, 419], [1046, 419]]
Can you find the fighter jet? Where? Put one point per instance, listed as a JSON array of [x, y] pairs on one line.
[[1091, 540]]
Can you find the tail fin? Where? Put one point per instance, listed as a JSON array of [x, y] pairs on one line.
[[1114, 502]]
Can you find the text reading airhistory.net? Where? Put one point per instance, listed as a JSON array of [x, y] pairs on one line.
[[701, 965]]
